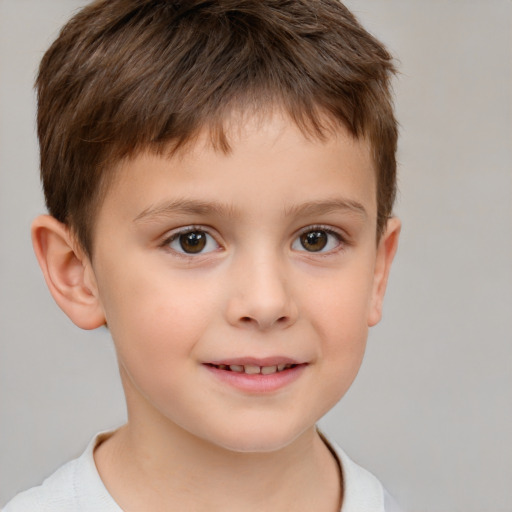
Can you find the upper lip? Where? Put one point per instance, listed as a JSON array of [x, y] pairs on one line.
[[255, 361]]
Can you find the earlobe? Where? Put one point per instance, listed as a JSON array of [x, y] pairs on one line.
[[386, 251], [68, 272]]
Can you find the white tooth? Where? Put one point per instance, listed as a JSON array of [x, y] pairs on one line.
[[223, 367], [251, 369], [280, 367], [236, 368], [267, 370]]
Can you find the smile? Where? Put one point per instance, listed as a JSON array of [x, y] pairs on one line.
[[252, 369], [257, 376]]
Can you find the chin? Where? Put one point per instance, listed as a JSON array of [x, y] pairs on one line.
[[256, 439]]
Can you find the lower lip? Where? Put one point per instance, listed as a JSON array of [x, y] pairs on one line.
[[258, 383]]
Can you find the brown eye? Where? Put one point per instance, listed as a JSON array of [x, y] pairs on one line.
[[314, 241], [193, 241]]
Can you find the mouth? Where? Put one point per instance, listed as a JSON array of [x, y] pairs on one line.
[[255, 375], [253, 369]]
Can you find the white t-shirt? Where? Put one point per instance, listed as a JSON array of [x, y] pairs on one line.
[[77, 487]]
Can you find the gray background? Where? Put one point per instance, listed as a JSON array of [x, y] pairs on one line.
[[431, 411]]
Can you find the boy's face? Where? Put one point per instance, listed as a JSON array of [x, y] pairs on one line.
[[207, 264]]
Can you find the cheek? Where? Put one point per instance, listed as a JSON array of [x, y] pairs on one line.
[[339, 303], [155, 316], [338, 316], [155, 328]]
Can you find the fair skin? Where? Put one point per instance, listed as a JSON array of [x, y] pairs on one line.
[[207, 268]]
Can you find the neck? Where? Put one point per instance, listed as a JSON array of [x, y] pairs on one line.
[[153, 468]]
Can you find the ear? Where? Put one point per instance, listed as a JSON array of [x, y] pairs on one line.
[[67, 271], [386, 250]]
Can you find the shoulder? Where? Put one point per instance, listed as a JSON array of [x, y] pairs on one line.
[[74, 487], [56, 493], [361, 489]]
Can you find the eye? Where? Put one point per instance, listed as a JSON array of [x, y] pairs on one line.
[[317, 240], [193, 241]]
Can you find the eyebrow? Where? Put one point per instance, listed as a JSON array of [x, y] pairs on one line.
[[195, 207], [185, 207], [312, 208]]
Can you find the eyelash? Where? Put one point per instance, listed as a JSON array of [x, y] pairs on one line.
[[177, 234], [341, 241]]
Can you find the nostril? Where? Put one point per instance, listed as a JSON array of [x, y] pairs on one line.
[[249, 321]]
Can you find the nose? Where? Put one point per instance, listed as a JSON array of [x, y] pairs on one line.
[[261, 296]]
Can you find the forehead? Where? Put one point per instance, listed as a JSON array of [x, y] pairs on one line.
[[270, 163]]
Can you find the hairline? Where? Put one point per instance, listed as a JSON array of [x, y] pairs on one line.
[[317, 127]]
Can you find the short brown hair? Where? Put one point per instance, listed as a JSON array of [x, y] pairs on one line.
[[128, 75]]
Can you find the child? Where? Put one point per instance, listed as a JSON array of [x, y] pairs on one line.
[[220, 178]]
